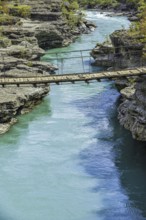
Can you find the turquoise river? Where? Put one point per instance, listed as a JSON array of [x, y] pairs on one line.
[[69, 159]]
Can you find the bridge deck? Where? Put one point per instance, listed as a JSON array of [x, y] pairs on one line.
[[71, 77]]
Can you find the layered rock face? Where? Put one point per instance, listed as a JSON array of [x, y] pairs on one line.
[[132, 111], [15, 101], [124, 52], [128, 50], [21, 46], [19, 56], [104, 55], [45, 10], [50, 27]]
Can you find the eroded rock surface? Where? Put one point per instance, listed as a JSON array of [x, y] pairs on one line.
[[132, 111], [21, 47], [49, 25], [15, 101], [122, 51]]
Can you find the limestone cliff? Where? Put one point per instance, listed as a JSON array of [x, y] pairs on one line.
[[120, 51], [15, 101], [20, 54], [132, 110], [22, 43], [126, 51], [50, 26]]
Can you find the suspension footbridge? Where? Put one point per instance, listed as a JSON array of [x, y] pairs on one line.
[[65, 76]]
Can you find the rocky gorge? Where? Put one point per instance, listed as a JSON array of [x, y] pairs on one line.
[[22, 43], [69, 158], [123, 51]]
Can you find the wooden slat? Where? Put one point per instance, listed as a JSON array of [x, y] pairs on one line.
[[72, 77]]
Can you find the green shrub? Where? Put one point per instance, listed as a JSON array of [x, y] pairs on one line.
[[113, 3], [102, 3], [29, 64], [69, 9], [6, 19], [4, 42], [20, 10]]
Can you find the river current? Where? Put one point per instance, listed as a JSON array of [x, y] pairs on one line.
[[69, 159]]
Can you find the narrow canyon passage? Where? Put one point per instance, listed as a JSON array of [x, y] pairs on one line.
[[69, 159]]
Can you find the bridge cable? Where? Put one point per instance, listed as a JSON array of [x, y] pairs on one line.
[[57, 62], [82, 61], [62, 65]]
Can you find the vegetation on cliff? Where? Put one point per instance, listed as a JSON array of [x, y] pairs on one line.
[[9, 9], [132, 4], [69, 11], [139, 28], [101, 3]]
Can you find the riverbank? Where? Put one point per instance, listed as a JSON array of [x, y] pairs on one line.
[[69, 158], [126, 8], [21, 47], [131, 15], [125, 50]]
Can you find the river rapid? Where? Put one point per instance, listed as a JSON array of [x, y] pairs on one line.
[[69, 159]]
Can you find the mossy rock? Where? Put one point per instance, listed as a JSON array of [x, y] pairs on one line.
[[20, 10], [6, 19], [4, 42]]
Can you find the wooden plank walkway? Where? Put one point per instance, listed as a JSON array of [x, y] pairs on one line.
[[50, 79]]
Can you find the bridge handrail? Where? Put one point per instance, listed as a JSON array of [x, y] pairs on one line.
[[112, 57], [90, 49], [72, 74]]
